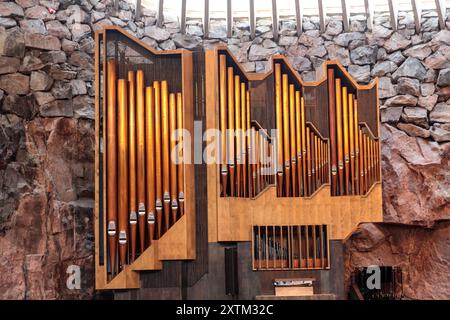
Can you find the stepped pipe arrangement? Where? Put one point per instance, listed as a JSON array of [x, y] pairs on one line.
[[245, 145], [140, 187], [293, 158]]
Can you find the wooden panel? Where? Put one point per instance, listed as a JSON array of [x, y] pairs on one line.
[[236, 216], [175, 66]]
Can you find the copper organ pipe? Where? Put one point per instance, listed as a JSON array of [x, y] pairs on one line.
[[308, 160], [223, 121], [356, 137], [140, 131], [258, 160], [237, 114], [361, 161], [352, 143], [304, 151], [312, 161], [132, 162], [339, 136], [231, 116], [248, 136], [287, 157], [165, 151], [345, 133], [181, 158], [243, 138], [122, 180], [173, 165], [332, 115], [293, 139], [253, 161], [299, 144], [279, 121], [150, 162], [158, 163], [111, 162]]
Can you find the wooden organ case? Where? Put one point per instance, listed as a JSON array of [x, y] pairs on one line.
[[296, 170], [145, 212]]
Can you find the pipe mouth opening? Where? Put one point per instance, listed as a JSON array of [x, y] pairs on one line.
[[111, 228], [166, 197], [181, 196], [151, 218], [159, 204], [122, 237], [133, 217], [174, 204]]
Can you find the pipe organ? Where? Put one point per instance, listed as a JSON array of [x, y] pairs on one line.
[[296, 168]]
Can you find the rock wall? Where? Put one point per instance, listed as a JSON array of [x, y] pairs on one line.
[[47, 133]]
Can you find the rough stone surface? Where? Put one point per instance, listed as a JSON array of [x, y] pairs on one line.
[[47, 132]]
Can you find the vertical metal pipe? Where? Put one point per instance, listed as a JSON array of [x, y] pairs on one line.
[[237, 115], [158, 163], [339, 136], [132, 161], [243, 138], [287, 157], [299, 143], [346, 146], [253, 161], [308, 159], [223, 121], [247, 117], [332, 126], [165, 151], [122, 180], [231, 153], [303, 131], [111, 161], [150, 162], [181, 159], [351, 144], [279, 121], [293, 139], [357, 147], [140, 131], [173, 165], [361, 161]]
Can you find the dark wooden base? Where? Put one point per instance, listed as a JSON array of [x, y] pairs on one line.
[[170, 282]]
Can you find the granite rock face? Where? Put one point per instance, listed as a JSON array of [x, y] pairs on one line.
[[47, 132]]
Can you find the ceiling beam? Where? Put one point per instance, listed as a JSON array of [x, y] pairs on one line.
[[417, 11], [369, 8], [275, 20], [322, 15], [345, 14], [442, 12], [252, 18], [393, 13], [229, 19]]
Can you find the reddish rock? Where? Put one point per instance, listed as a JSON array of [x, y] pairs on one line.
[[43, 42], [415, 178], [38, 12], [40, 81], [12, 42], [9, 64], [22, 106], [57, 108], [422, 254], [8, 9], [15, 83]]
